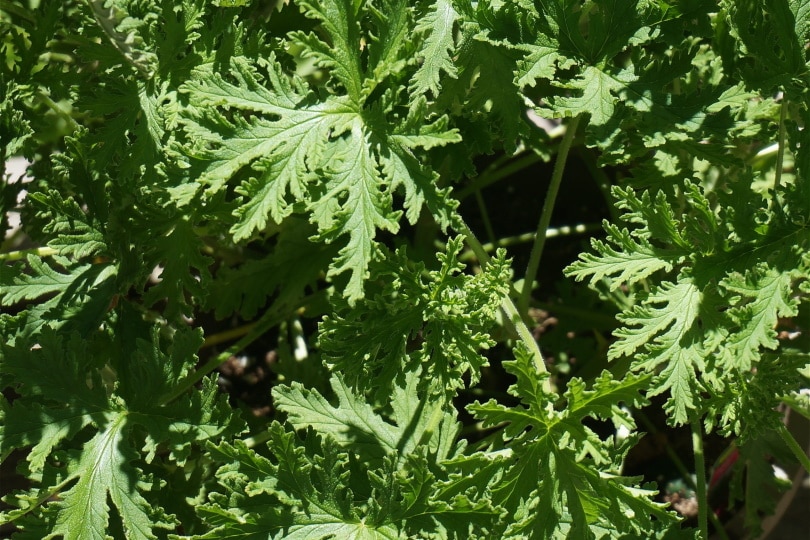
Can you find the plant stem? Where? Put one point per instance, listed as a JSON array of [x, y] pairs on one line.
[[780, 157], [272, 317], [42, 498], [676, 460], [565, 230], [508, 306], [259, 438], [602, 182], [499, 173], [482, 208], [797, 450], [700, 479], [545, 216], [21, 254], [227, 335]]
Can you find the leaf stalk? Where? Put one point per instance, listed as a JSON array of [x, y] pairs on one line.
[[794, 447], [513, 317], [700, 479], [23, 253], [545, 215], [780, 157], [272, 317]]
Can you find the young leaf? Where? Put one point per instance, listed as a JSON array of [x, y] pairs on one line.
[[355, 425], [705, 331], [435, 319], [434, 54], [556, 468]]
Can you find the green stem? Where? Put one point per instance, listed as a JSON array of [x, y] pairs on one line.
[[700, 479], [259, 438], [602, 182], [565, 230], [482, 208], [513, 318], [687, 477], [52, 105], [227, 335], [272, 317], [780, 157], [15, 10], [794, 446], [498, 173], [22, 254], [42, 498], [545, 216]]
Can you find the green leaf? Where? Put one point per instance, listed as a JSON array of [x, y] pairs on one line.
[[352, 423], [355, 425], [764, 296], [434, 53], [310, 478], [75, 234], [68, 394], [353, 204], [329, 157], [555, 468], [178, 254], [284, 147], [635, 259], [104, 471], [781, 24], [442, 316], [342, 54], [671, 335], [597, 91], [83, 292], [702, 333]]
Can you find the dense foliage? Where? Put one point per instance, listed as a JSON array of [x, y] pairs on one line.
[[214, 170]]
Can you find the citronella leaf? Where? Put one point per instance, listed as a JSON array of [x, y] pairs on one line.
[[83, 292], [764, 296], [672, 336], [557, 467], [389, 46], [353, 204], [110, 465], [336, 160], [74, 233], [103, 472], [306, 484], [177, 252], [634, 260], [434, 54], [355, 425], [342, 54], [353, 474], [291, 136], [784, 26], [703, 332], [352, 423]]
